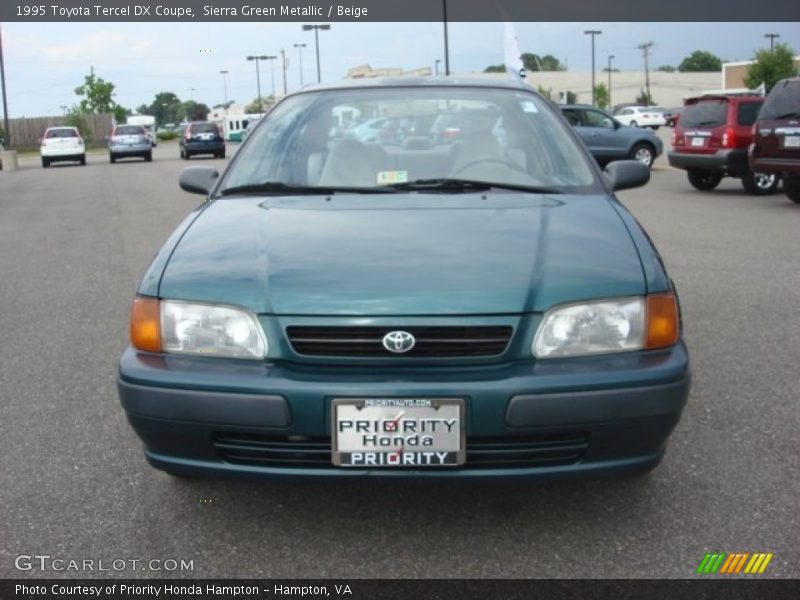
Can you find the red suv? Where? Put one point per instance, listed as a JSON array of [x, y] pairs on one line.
[[711, 139], [776, 136]]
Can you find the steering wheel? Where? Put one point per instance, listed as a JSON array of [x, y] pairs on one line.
[[501, 161]]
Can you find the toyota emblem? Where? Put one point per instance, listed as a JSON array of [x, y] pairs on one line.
[[398, 342]]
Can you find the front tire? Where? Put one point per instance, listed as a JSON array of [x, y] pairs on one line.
[[148, 157], [704, 181], [644, 153], [112, 159], [760, 184], [792, 191], [83, 160], [45, 162]]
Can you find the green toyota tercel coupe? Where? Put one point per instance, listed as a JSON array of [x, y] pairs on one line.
[[459, 295]]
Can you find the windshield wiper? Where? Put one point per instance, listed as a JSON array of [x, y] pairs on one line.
[[789, 115], [288, 189], [456, 186]]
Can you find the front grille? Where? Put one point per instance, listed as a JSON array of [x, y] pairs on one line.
[[482, 453], [368, 341]]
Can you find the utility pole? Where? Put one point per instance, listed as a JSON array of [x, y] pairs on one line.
[[436, 67], [446, 44], [593, 33], [645, 48], [610, 57], [3, 85], [771, 37], [258, 80]]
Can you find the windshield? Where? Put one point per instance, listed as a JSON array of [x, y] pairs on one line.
[[204, 128], [368, 138], [783, 101], [61, 133]]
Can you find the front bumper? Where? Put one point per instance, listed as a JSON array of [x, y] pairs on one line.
[[608, 414], [731, 162]]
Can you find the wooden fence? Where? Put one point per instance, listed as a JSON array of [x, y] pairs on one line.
[[26, 133]]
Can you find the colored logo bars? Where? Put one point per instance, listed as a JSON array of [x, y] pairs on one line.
[[736, 562]]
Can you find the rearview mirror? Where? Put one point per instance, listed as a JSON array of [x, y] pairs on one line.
[[626, 174], [198, 180]]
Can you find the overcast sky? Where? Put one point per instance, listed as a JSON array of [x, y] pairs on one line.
[[46, 61]]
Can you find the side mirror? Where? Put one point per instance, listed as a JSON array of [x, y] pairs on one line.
[[198, 180], [626, 174], [617, 124]]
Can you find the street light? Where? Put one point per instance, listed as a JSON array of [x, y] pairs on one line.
[[593, 32], [610, 57], [446, 44], [225, 86], [316, 29], [283, 64], [771, 37], [5, 100], [300, 54], [258, 77], [271, 60]]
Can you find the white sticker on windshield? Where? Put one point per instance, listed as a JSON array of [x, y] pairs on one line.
[[390, 177], [529, 107]]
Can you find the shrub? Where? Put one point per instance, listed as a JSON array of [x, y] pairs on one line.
[[164, 136]]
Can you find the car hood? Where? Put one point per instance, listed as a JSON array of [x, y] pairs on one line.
[[404, 254]]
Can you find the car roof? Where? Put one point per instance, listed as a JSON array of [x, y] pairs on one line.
[[747, 97], [389, 82]]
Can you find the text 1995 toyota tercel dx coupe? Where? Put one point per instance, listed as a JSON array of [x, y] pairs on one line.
[[460, 296]]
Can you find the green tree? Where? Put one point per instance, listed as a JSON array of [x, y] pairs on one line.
[[495, 69], [601, 95], [645, 99], [666, 69], [2, 134], [572, 97], [76, 117], [700, 60], [195, 111], [770, 67], [97, 94], [259, 105], [546, 92], [166, 107], [534, 62]]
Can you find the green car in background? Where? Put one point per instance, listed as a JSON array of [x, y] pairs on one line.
[[475, 304]]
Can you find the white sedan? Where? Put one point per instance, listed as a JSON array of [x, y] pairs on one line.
[[62, 144], [641, 116]]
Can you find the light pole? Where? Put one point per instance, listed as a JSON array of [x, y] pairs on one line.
[[446, 44], [610, 57], [225, 86], [283, 64], [5, 100], [771, 37], [436, 67], [592, 32], [316, 29], [300, 55], [645, 48], [258, 78], [271, 60]]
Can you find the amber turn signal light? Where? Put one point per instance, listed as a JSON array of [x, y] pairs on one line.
[[145, 324], [663, 326]]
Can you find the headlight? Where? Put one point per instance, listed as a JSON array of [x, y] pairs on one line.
[[591, 328], [603, 326], [194, 328], [189, 328]]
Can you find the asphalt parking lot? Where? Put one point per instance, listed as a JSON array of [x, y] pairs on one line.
[[74, 242]]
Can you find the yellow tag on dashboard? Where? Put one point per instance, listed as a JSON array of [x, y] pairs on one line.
[[390, 177]]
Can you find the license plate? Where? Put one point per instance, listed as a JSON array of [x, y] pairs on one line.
[[398, 432], [698, 141], [791, 141]]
